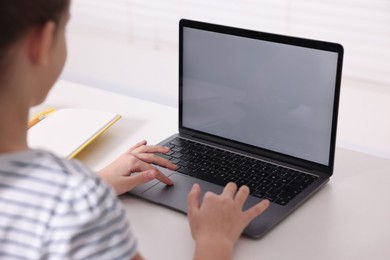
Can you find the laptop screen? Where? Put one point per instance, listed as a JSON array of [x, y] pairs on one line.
[[271, 95]]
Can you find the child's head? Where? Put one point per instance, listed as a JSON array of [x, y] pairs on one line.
[[32, 41]]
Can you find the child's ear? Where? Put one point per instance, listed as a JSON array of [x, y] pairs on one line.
[[41, 42]]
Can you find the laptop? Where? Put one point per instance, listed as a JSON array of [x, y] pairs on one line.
[[255, 108]]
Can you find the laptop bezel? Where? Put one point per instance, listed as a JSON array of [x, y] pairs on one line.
[[291, 40]]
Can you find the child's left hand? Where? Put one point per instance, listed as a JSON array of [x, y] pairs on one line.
[[138, 159]]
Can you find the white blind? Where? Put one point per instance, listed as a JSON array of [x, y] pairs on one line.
[[361, 26]]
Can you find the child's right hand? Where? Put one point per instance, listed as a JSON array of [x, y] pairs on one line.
[[218, 222]]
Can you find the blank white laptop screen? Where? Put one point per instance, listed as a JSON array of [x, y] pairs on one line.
[[275, 96]]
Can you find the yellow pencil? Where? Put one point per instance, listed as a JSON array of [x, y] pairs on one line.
[[40, 116]]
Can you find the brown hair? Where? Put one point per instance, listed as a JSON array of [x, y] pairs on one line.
[[18, 16]]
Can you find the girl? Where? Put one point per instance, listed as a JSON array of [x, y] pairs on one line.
[[51, 208]]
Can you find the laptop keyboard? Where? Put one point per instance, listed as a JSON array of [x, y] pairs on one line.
[[265, 180]]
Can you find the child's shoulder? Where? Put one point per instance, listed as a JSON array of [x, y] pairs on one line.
[[46, 168]]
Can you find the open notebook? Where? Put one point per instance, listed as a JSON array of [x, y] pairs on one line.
[[67, 131]]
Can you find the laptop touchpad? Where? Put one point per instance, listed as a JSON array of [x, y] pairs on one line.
[[176, 196]]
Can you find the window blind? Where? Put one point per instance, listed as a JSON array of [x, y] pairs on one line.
[[361, 26]]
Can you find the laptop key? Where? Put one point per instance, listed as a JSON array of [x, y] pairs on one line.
[[224, 169], [212, 179], [183, 163], [200, 171], [205, 163], [308, 180], [177, 155], [243, 168], [241, 182], [184, 170], [298, 185], [281, 201], [215, 160], [222, 175], [177, 149], [235, 172], [291, 189], [224, 163], [163, 156], [271, 197], [170, 146], [186, 157], [252, 171], [193, 166], [244, 175], [232, 165], [262, 188], [232, 178], [177, 142], [252, 185], [170, 152], [174, 160], [259, 194], [286, 195], [214, 166]]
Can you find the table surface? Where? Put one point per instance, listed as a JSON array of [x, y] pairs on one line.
[[348, 219]]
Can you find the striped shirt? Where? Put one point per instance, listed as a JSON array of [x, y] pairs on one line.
[[52, 208]]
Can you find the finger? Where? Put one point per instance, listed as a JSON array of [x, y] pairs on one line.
[[154, 159], [164, 162], [143, 142], [230, 190], [152, 149], [138, 179], [242, 195], [256, 210], [161, 177], [193, 200], [167, 164]]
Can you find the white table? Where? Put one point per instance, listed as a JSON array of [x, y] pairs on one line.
[[348, 219]]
